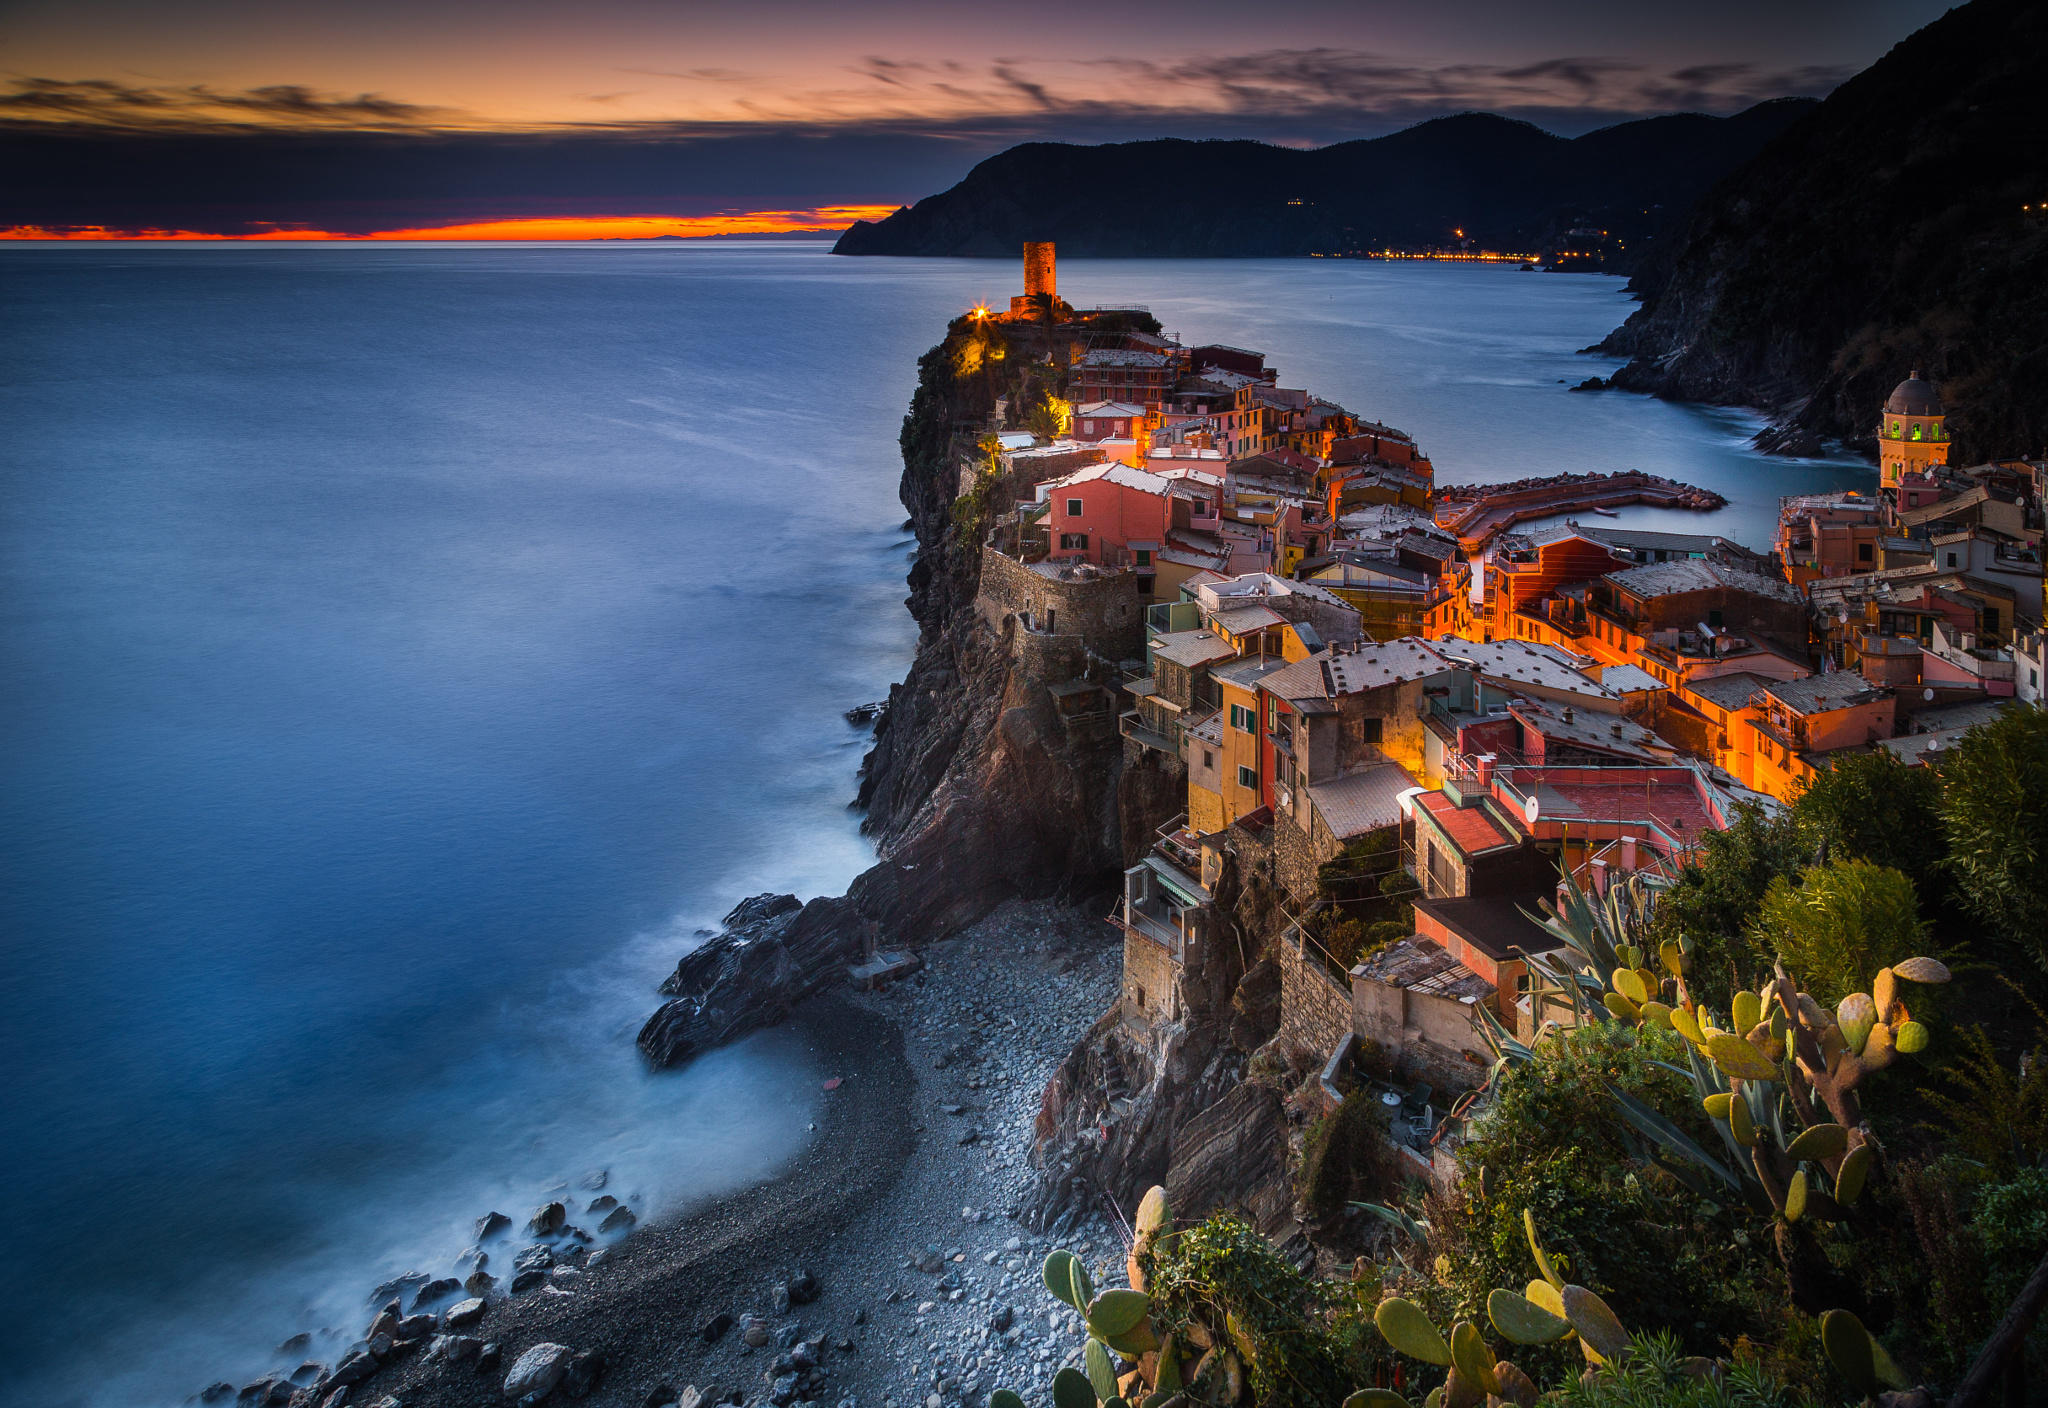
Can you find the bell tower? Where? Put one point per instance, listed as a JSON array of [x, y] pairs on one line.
[[1911, 438]]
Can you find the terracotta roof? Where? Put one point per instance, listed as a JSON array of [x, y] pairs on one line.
[[1470, 829]]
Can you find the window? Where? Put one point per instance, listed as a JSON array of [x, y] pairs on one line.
[[1247, 777], [1990, 620], [1863, 552], [1243, 719], [1951, 559], [1371, 728], [1074, 542], [1073, 508], [1208, 759], [1144, 556]]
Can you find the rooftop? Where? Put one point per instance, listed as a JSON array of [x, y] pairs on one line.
[[1638, 538], [1729, 692], [1512, 662], [1819, 694], [1192, 649], [1365, 799], [1238, 619], [1657, 579], [1606, 733], [1472, 829], [1493, 924], [1422, 966], [1247, 673], [1630, 679], [1122, 357], [1339, 671]]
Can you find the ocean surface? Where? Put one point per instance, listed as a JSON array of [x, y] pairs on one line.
[[408, 650]]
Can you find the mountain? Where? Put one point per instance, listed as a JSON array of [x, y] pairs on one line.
[[1506, 184], [1902, 223]]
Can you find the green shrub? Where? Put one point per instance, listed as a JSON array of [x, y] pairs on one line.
[[1839, 924], [1347, 1157]]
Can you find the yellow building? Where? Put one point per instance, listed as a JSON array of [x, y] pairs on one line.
[[1226, 774], [1911, 438]]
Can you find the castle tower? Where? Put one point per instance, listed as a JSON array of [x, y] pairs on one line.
[[1911, 438], [1039, 277]]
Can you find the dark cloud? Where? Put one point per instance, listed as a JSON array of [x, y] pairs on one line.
[[104, 102]]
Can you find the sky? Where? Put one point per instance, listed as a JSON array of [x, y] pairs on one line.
[[493, 118]]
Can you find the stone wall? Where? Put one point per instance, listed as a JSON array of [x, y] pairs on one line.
[[1294, 857], [1428, 1038], [1106, 614], [1315, 1010], [1150, 981]]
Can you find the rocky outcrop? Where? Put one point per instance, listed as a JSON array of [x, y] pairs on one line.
[[1896, 226], [1136, 1104], [977, 790]]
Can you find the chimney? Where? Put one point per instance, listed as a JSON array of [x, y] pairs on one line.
[[1486, 769]]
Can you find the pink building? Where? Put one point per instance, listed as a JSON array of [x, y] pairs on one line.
[[1118, 516], [1108, 420]]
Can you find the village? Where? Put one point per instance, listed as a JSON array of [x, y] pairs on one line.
[[1411, 715]]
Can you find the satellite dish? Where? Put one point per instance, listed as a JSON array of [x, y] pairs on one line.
[[1529, 809]]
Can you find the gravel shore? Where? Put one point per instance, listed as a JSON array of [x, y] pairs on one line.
[[924, 1289]]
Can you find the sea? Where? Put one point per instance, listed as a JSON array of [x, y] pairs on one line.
[[410, 651]]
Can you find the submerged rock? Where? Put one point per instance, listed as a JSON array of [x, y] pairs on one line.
[[435, 1290], [491, 1224], [547, 1220], [617, 1219]]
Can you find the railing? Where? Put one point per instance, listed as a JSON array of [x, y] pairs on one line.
[[1172, 847], [1131, 725], [1138, 922]]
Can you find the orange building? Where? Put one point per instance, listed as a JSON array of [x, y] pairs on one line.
[[1526, 568], [1911, 438]]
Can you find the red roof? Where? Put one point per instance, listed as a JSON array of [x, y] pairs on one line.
[[1470, 829]]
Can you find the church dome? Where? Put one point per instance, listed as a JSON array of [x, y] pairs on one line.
[[1913, 397]]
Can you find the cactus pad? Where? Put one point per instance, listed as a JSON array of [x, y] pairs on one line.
[[1629, 984], [1059, 1278], [1716, 1105], [1739, 1060], [1795, 1197], [1542, 1293], [1101, 1373], [1740, 1124], [1543, 1266], [1749, 1010], [1472, 1359], [1849, 1178], [1910, 1038], [1922, 970], [1821, 1142], [1115, 1313], [1071, 1389], [1376, 1398], [1599, 1329], [1688, 1026], [1849, 1347], [1516, 1387], [1408, 1330], [1521, 1321]]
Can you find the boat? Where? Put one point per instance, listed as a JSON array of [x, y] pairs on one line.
[[1605, 512]]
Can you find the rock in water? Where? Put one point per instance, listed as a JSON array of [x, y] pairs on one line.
[[618, 1219], [547, 1220], [463, 1313], [491, 1224], [538, 1370], [773, 952]]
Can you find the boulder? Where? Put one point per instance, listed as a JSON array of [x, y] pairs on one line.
[[564, 1276], [472, 1259], [538, 1370], [297, 1344], [617, 1220], [754, 1332], [413, 1327], [386, 1323], [454, 1349], [547, 1220], [583, 1373], [335, 1399], [783, 1392], [487, 1361], [397, 1286], [604, 1204], [436, 1290], [595, 1180], [1000, 1319], [464, 1313], [660, 1396], [535, 1258], [480, 1283], [354, 1368], [527, 1280], [216, 1391], [308, 1371], [778, 1299], [714, 1329], [491, 1225], [804, 1288]]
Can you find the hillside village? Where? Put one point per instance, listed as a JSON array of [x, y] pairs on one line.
[[1257, 585]]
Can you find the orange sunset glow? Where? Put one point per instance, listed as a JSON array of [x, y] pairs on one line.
[[568, 227]]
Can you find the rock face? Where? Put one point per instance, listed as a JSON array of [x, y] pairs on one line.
[[977, 790], [1134, 1106], [1816, 276]]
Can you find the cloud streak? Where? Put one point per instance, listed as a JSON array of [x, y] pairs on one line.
[[1302, 95]]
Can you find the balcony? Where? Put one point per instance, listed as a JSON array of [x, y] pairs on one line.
[[1132, 725]]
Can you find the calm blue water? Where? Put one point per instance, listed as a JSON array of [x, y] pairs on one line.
[[407, 649]]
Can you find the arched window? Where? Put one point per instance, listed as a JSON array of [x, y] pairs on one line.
[[1895, 430], [1916, 432]]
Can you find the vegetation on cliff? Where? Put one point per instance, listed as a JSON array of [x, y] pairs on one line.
[[1504, 184], [1903, 223]]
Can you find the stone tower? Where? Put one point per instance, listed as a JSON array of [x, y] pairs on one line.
[[1911, 438], [1039, 276]]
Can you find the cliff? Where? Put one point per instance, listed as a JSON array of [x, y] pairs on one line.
[[1903, 223], [1506, 184], [983, 785]]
